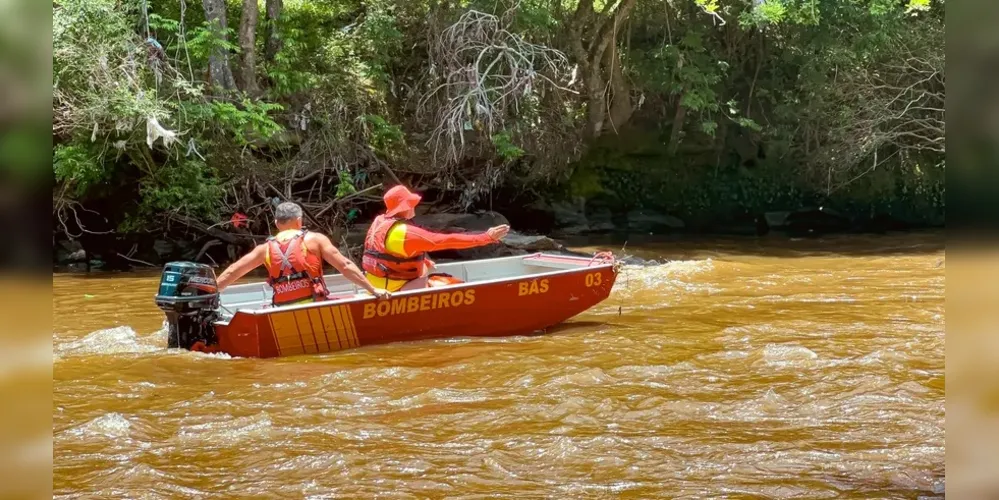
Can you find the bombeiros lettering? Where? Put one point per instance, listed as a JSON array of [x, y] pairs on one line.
[[428, 302], [290, 286]]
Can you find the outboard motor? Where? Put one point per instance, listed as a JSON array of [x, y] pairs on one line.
[[189, 296]]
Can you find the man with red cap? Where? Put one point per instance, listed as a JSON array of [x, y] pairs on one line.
[[395, 252]]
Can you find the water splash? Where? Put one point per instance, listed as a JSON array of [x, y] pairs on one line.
[[118, 340], [110, 425]]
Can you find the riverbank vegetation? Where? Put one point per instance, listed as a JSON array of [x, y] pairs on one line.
[[175, 119]]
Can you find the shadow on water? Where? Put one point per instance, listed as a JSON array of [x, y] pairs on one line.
[[693, 247], [572, 327], [690, 247]]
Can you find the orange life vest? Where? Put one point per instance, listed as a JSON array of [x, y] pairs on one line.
[[379, 262], [293, 272]]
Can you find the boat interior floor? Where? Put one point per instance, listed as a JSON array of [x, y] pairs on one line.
[[256, 296]]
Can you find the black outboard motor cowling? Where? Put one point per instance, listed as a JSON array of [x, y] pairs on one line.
[[189, 296]]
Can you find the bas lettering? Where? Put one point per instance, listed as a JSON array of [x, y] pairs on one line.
[[407, 305], [533, 287]]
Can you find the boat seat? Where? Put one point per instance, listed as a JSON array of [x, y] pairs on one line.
[[554, 261]]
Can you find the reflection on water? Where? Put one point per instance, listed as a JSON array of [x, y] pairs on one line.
[[735, 368]]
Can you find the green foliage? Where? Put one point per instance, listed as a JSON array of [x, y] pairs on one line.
[[710, 6], [164, 25], [378, 39], [786, 101], [505, 148], [917, 6], [189, 187], [385, 138], [204, 39], [245, 123], [76, 165], [771, 11], [97, 81], [346, 184], [586, 183]]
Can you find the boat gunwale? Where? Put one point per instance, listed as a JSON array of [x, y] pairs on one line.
[[594, 265]]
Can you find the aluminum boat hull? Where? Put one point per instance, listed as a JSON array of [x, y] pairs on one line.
[[503, 297]]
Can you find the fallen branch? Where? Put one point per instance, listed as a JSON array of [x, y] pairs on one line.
[[138, 261], [358, 193], [305, 212], [389, 171], [205, 248], [234, 238]]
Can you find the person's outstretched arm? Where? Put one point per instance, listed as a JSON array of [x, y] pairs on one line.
[[242, 266], [341, 263], [419, 240]]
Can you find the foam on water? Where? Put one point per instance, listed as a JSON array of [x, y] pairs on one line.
[[229, 431], [118, 340], [110, 425]]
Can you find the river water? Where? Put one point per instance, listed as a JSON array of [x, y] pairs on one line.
[[742, 368]]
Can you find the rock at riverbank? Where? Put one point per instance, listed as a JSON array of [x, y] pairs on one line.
[[531, 243], [776, 220], [645, 221], [573, 220], [70, 252], [460, 223], [570, 219], [164, 249], [814, 222]]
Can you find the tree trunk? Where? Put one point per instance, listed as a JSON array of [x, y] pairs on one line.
[[621, 108], [272, 42], [596, 103], [600, 62], [248, 46], [674, 137], [220, 72]]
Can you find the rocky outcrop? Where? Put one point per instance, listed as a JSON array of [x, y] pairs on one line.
[[531, 243], [650, 221], [601, 222], [776, 220], [815, 222], [460, 223], [163, 249], [570, 219], [70, 252]]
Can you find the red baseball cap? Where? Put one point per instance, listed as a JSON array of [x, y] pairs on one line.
[[399, 199]]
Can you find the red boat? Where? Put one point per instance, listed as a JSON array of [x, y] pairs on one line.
[[488, 298]]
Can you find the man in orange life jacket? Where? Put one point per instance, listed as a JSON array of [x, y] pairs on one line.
[[395, 251], [294, 261]]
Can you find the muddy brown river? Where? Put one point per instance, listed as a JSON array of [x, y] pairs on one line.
[[736, 368]]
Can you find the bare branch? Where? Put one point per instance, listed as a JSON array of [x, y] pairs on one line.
[[485, 75]]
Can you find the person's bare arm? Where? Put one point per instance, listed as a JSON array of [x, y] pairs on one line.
[[242, 266], [341, 263]]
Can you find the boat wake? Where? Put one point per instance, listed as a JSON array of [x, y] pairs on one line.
[[117, 340], [121, 340]]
